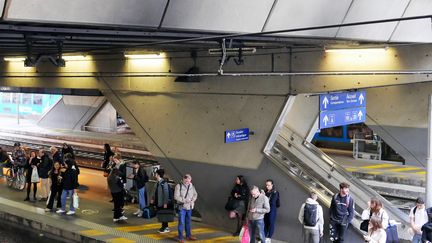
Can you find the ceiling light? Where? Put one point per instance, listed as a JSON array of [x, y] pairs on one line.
[[357, 50], [232, 51], [137, 55], [75, 58], [14, 59]]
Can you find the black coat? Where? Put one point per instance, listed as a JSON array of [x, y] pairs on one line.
[[29, 168], [241, 190], [427, 232], [56, 184], [69, 179], [141, 178], [45, 166], [107, 155]]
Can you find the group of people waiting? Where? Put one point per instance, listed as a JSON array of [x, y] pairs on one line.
[[255, 208], [56, 171]]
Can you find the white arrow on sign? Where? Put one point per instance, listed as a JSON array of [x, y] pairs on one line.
[[360, 114], [325, 102], [325, 120], [361, 98]]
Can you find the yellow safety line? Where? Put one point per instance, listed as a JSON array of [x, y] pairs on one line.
[[120, 240], [221, 239], [380, 166], [92, 232], [174, 233], [420, 173], [404, 169], [351, 169], [143, 227]]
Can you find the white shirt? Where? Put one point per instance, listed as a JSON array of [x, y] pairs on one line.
[[382, 214], [420, 217], [378, 236]]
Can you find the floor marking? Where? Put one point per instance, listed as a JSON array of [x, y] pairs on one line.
[[174, 233], [380, 166], [351, 169], [120, 240], [404, 169], [420, 173], [92, 232]]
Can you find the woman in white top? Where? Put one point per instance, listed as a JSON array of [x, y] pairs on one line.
[[376, 233], [376, 209]]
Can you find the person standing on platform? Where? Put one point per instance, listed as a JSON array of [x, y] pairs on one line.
[[140, 179], [32, 163], [376, 232], [312, 219], [69, 179], [45, 166], [270, 218], [67, 149], [56, 187], [161, 197], [185, 196], [240, 195], [259, 205], [116, 187], [4, 160], [341, 213], [56, 156], [108, 153], [418, 217]]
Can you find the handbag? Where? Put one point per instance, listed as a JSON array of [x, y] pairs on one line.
[[232, 204], [165, 215], [34, 175], [75, 200], [244, 236], [364, 225]]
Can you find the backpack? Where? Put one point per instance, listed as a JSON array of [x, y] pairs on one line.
[[310, 215]]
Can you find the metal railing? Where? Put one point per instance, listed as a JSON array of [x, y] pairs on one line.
[[312, 168]]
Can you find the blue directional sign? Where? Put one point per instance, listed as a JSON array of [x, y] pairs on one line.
[[342, 117], [342, 100], [232, 136]]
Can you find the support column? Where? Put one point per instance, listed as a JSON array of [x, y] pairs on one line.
[[429, 158]]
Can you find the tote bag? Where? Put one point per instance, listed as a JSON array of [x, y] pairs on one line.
[[244, 236], [75, 200], [34, 175]]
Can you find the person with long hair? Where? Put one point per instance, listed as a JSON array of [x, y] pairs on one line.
[[32, 162], [56, 187], [240, 192], [376, 209], [376, 232], [270, 218]]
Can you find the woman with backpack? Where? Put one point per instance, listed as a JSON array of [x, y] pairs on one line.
[[376, 233], [312, 219], [270, 218]]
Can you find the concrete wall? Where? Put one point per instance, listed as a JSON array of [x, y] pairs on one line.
[[105, 120]]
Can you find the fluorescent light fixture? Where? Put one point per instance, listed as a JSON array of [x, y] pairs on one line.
[[75, 58], [137, 55], [232, 51], [14, 59], [357, 50]]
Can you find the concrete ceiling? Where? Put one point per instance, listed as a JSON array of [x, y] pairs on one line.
[[89, 25]]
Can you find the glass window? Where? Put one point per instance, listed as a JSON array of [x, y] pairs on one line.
[[6, 98], [334, 132], [27, 98], [37, 99], [15, 98]]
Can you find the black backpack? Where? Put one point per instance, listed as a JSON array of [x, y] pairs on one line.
[[310, 215], [170, 194]]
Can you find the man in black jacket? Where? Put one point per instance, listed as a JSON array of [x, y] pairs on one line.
[[45, 166], [427, 228], [341, 213], [69, 178], [140, 179]]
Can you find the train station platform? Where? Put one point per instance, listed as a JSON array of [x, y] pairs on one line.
[[93, 220]]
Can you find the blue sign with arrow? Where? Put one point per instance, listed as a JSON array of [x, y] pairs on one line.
[[342, 100], [232, 136], [342, 117]]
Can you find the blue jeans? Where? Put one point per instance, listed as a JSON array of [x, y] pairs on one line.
[[184, 219], [253, 226], [141, 198], [417, 238], [64, 194]]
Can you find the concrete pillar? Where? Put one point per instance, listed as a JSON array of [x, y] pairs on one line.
[[429, 159]]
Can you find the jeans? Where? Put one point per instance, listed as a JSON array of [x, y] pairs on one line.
[[337, 231], [184, 221], [253, 226], [311, 236], [64, 194], [417, 238], [142, 198]]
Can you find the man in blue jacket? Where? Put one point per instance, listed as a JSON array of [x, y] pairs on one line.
[[341, 213]]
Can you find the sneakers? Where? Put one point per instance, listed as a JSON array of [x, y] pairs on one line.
[[137, 212], [60, 211], [268, 240], [70, 213], [120, 219], [140, 214], [164, 230], [191, 238], [47, 209]]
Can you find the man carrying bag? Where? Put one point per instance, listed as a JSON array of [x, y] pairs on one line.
[[161, 199]]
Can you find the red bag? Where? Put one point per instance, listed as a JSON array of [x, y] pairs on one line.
[[244, 233]]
